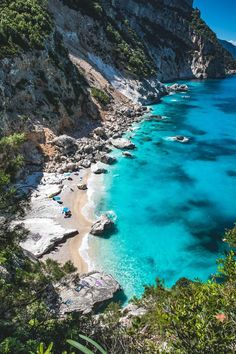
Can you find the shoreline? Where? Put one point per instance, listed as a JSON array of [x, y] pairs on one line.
[[71, 249], [82, 203]]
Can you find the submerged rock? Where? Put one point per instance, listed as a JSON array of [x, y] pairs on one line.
[[127, 154], [181, 139], [123, 143], [102, 226], [178, 138]]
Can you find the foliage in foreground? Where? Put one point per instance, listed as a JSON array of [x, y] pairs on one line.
[[191, 318]]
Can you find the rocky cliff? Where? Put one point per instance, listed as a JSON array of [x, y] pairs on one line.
[[66, 64]]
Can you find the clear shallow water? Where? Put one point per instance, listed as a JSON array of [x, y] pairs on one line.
[[173, 201]]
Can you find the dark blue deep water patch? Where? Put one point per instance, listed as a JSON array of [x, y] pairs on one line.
[[173, 201]]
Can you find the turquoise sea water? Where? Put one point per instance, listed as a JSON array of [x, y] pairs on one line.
[[173, 201]]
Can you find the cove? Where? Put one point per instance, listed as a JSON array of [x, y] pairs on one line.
[[173, 201]]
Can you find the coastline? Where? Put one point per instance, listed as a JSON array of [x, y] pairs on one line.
[[71, 249], [82, 203]]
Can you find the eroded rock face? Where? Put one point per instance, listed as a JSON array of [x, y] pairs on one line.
[[34, 92], [45, 234], [102, 226], [84, 294]]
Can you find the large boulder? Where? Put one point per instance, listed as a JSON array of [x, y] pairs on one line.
[[66, 143], [102, 226], [107, 159], [84, 294], [100, 131], [99, 171], [122, 143]]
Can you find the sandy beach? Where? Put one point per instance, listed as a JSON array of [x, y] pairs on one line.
[[76, 201]]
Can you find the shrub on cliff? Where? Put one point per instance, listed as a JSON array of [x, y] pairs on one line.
[[100, 96], [24, 25], [88, 7]]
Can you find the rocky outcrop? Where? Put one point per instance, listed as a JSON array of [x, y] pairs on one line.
[[44, 239], [129, 313], [102, 226], [123, 143], [108, 160], [177, 88], [44, 218], [86, 293]]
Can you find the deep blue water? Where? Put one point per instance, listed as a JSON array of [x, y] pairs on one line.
[[173, 201]]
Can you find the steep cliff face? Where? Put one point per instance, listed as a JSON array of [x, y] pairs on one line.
[[43, 88], [39, 86], [174, 37], [136, 43]]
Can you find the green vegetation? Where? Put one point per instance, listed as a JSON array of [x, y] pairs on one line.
[[10, 161], [201, 28], [191, 317], [91, 8], [128, 51], [24, 25], [100, 96]]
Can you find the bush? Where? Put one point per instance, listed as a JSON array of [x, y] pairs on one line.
[[24, 25], [91, 8], [100, 96]]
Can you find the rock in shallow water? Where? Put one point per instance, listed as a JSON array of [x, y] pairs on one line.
[[178, 88], [123, 143], [108, 160], [102, 226], [100, 171]]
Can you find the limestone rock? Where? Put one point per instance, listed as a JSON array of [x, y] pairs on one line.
[[45, 235], [100, 132], [129, 312], [85, 163], [108, 160], [178, 88], [123, 143], [84, 294], [66, 143], [102, 226]]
